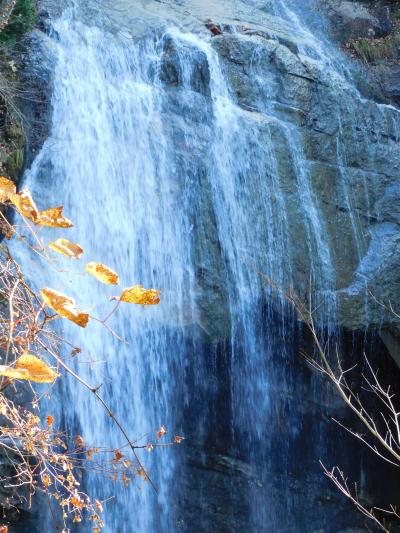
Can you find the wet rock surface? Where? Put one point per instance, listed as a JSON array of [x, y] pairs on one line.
[[347, 146]]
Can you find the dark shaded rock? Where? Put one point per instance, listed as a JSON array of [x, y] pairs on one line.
[[353, 19], [387, 75], [174, 62]]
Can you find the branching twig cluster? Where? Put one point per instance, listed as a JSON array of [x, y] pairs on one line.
[[42, 458], [379, 420]]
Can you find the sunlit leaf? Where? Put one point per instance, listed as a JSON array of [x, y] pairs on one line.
[[7, 187], [103, 273], [63, 246], [29, 367], [49, 420], [54, 218], [24, 203], [139, 295], [64, 306]]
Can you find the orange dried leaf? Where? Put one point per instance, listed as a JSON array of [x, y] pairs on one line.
[[139, 295], [102, 273], [46, 480], [141, 472], [24, 203], [178, 439], [7, 187], [162, 431], [76, 502], [8, 232], [64, 306], [54, 218], [149, 447], [70, 249], [117, 456], [28, 367], [49, 420]]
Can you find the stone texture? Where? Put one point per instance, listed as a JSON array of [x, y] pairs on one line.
[[351, 19], [318, 132]]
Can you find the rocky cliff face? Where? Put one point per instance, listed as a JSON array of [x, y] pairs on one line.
[[310, 107], [315, 110]]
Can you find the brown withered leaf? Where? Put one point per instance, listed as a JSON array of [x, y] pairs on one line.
[[79, 441], [178, 439], [54, 218], [7, 230], [76, 502], [64, 246], [46, 480], [141, 472], [117, 456], [139, 295], [89, 454], [102, 273], [49, 420], [161, 432], [7, 187], [29, 367], [64, 306], [24, 203], [98, 505]]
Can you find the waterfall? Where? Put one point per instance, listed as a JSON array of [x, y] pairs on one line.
[[174, 185]]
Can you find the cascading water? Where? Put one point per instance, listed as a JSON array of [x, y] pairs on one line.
[[174, 185]]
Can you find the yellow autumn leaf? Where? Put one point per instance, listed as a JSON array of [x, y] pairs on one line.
[[139, 295], [29, 367], [24, 203], [54, 218], [102, 273], [7, 187], [63, 246], [64, 306]]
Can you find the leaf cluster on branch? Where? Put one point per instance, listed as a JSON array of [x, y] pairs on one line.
[[43, 458]]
